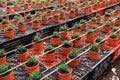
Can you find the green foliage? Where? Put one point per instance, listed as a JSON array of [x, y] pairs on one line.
[[67, 43], [20, 22], [36, 38], [3, 68], [56, 15], [21, 49], [35, 76], [115, 29], [28, 16], [3, 1], [62, 12], [107, 14], [55, 34], [33, 1], [118, 17], [93, 19], [4, 21], [49, 10], [43, 15], [98, 15], [55, 7], [31, 61], [36, 20], [109, 10], [2, 52], [95, 47], [63, 68], [110, 19], [72, 10], [95, 26], [9, 28], [99, 39], [90, 32], [117, 8], [107, 23], [16, 17], [49, 48], [63, 28], [77, 26], [76, 35], [82, 21], [74, 53], [113, 35], [42, 1]]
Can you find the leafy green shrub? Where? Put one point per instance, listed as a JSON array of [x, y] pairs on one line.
[[76, 35], [115, 29], [55, 34], [2, 52], [98, 15], [62, 12], [31, 61], [107, 14], [20, 22], [77, 26], [63, 68], [21, 49], [3, 68], [90, 32], [9, 28], [117, 8], [63, 28], [72, 10], [36, 38], [43, 15], [49, 48], [118, 17], [74, 53], [4, 21], [56, 15], [107, 23], [36, 20], [67, 43], [35, 76], [28, 16], [82, 21], [99, 39], [95, 26], [113, 35], [95, 47], [94, 19], [49, 10]]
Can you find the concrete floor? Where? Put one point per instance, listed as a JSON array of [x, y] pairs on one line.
[[114, 73]]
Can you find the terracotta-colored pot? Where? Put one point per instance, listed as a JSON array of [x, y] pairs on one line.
[[9, 10], [22, 57], [49, 14], [45, 21], [4, 5], [60, 1], [113, 42], [117, 22], [106, 18], [83, 27], [72, 15], [63, 35], [77, 12], [38, 46], [103, 4], [26, 7], [2, 60], [15, 22], [33, 5], [92, 23], [90, 39], [62, 16], [5, 25], [16, 8], [31, 69], [86, 10], [9, 34], [98, 20], [116, 13], [96, 32], [66, 51], [105, 29], [41, 4], [56, 19], [76, 43], [76, 31], [74, 63], [67, 76], [50, 57], [36, 25], [9, 76], [55, 41], [22, 28], [29, 20], [56, 11], [48, 3], [93, 55]]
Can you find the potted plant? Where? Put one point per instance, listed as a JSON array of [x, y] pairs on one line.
[[94, 52], [33, 5], [29, 18], [2, 57], [4, 4], [66, 48], [36, 23], [49, 13], [26, 6], [32, 65], [42, 2], [117, 10], [16, 7], [107, 16], [5, 24], [9, 33], [64, 72], [113, 40], [106, 28], [63, 34], [96, 6], [76, 42], [98, 40], [22, 53], [93, 22], [117, 22], [48, 2], [98, 16], [44, 19], [21, 26], [104, 3], [16, 17], [62, 14], [51, 55], [72, 13], [72, 55], [35, 76], [87, 9], [83, 24], [44, 9], [55, 40], [56, 10], [111, 22], [77, 28], [9, 10], [8, 75], [96, 31], [37, 46], [56, 18], [90, 36], [115, 28], [77, 12]]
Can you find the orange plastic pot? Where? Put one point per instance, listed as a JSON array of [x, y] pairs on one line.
[[105, 29], [96, 32], [9, 10], [33, 5], [72, 15], [60, 1], [62, 16], [9, 76], [86, 10], [77, 12], [76, 43], [56, 11], [76, 31], [56, 19], [36, 25], [74, 63], [66, 51], [116, 13], [38, 46], [48, 3], [41, 4], [50, 57], [29, 20], [117, 22], [45, 21], [113, 42], [118, 0], [102, 46], [98, 20], [103, 4], [5, 25], [15, 22], [93, 55], [26, 7], [67, 76], [31, 69], [9, 34], [4, 5], [106, 18], [22, 57], [55, 41], [63, 35], [2, 60], [16, 8], [90, 39], [83, 27], [22, 28], [92, 23], [49, 14]]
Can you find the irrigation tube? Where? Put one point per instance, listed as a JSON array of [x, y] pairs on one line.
[[46, 53], [78, 56]]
